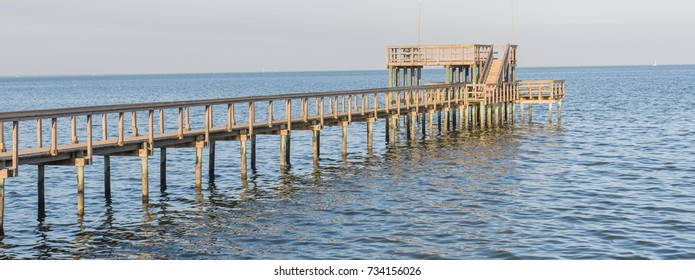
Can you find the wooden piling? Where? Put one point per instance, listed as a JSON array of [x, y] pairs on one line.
[[41, 187], [550, 113], [143, 153], [343, 126], [316, 142], [2, 204], [162, 169], [283, 148], [253, 151], [430, 116], [211, 161], [521, 112], [199, 163], [559, 111], [107, 177], [79, 164], [413, 122], [530, 113], [370, 134], [242, 151]]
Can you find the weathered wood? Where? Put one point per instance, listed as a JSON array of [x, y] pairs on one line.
[[79, 165], [2, 205], [316, 143], [242, 151], [283, 148], [211, 160], [199, 163], [107, 177], [343, 126], [559, 110], [162, 169], [40, 190], [144, 152], [253, 151], [370, 134]]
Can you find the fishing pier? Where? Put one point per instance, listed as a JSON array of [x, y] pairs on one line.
[[480, 91]]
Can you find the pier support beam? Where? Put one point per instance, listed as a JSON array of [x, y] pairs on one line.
[[316, 142], [199, 163], [413, 122], [370, 134], [481, 115], [2, 206], [446, 119], [79, 164], [430, 117], [143, 153], [41, 187], [163, 169], [107, 177], [211, 161], [253, 151], [559, 111], [284, 149], [242, 151], [521, 109], [550, 113], [530, 113], [343, 126]]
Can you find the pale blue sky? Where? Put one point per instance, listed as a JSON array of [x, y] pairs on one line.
[[42, 37]]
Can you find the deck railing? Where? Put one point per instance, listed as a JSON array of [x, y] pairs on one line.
[[84, 130], [541, 89]]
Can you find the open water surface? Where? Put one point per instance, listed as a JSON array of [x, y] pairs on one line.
[[615, 179]]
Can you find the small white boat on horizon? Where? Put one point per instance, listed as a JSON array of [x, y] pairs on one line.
[[654, 64]]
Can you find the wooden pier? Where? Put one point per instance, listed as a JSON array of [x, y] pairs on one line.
[[479, 92]]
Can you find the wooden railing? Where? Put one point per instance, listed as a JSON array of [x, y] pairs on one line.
[[541, 89], [100, 130], [437, 55]]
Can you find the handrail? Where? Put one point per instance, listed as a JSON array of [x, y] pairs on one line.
[[488, 64], [94, 110], [504, 64]]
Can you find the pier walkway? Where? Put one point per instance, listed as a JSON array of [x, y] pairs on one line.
[[480, 92]]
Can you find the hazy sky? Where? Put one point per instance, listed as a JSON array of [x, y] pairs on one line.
[[59, 37]]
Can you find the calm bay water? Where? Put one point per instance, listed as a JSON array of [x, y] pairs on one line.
[[615, 179]]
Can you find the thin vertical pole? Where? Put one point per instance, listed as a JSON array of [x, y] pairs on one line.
[[283, 143], [550, 113], [79, 164], [144, 151], [107, 177], [242, 151], [344, 129], [163, 169], [316, 143], [199, 163], [530, 113], [41, 197], [559, 110], [2, 206], [211, 161], [370, 134], [253, 151], [521, 112]]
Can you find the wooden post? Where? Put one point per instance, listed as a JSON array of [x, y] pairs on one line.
[[466, 110], [550, 113], [488, 110], [144, 152], [288, 149], [242, 150], [387, 135], [392, 130], [481, 115], [530, 112], [253, 151], [41, 197], [107, 177], [370, 125], [446, 119], [199, 163], [79, 164], [344, 125], [413, 122], [430, 116], [316, 142], [521, 111], [2, 204], [211, 161], [162, 169], [283, 148], [559, 110], [439, 121], [390, 76]]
